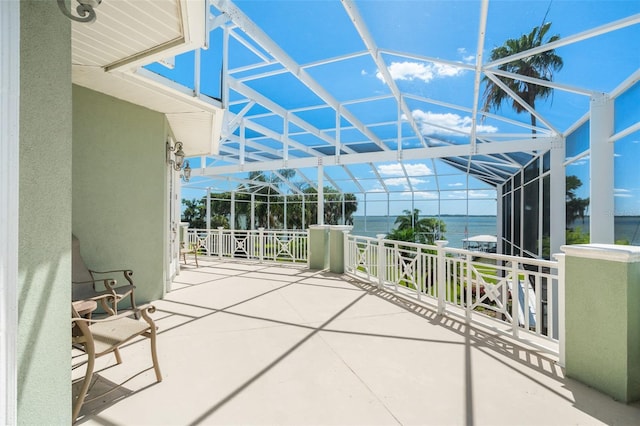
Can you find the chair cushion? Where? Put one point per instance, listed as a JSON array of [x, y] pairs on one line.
[[109, 334]]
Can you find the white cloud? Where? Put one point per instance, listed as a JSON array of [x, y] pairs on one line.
[[412, 170], [622, 193], [364, 72], [420, 71], [456, 184], [403, 182], [466, 58], [426, 195], [453, 123], [471, 194]]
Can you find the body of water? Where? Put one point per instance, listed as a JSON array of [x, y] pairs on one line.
[[457, 227], [627, 228]]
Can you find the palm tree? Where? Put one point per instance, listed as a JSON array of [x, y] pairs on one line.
[[409, 227], [540, 66]]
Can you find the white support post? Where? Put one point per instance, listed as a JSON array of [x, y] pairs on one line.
[[9, 208], [284, 222], [285, 139], [601, 203], [347, 253], [320, 192], [232, 225], [558, 197], [261, 243], [442, 276], [499, 217], [253, 211], [304, 217], [243, 142], [515, 299], [196, 73], [220, 242], [208, 209], [382, 264], [560, 257], [225, 67], [468, 290]]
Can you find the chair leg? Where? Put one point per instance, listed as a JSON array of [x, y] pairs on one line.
[[116, 352], [85, 386], [195, 256], [133, 305], [154, 354]]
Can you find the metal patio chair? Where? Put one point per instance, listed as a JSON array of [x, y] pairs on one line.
[[104, 336], [89, 284], [193, 249]]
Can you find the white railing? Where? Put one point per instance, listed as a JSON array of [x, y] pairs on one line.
[[260, 244], [516, 296], [511, 295]]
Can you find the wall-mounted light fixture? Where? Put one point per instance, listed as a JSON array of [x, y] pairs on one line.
[[84, 10], [177, 160], [186, 172]]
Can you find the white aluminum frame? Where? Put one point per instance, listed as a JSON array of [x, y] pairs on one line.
[[9, 185]]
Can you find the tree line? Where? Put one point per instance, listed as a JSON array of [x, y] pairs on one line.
[[301, 209]]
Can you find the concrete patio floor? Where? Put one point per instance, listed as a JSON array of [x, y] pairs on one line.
[[242, 343]]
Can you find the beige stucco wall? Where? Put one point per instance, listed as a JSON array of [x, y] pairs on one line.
[[119, 188], [44, 369]]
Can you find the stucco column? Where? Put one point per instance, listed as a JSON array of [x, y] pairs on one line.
[[337, 235], [602, 317], [318, 246]]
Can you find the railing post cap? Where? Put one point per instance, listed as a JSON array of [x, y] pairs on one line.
[[442, 243], [261, 228], [610, 252], [380, 236], [319, 226], [221, 227]]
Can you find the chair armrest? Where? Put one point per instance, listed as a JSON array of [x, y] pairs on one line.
[[108, 283], [145, 310], [127, 273]]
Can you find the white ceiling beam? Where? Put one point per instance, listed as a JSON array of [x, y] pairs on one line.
[[603, 29], [546, 83], [282, 112], [469, 110], [304, 177], [375, 171], [521, 101], [233, 123], [332, 182], [526, 145], [353, 178], [286, 182], [371, 46], [260, 37], [423, 58], [482, 27]]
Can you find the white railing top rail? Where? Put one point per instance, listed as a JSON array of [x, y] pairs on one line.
[[461, 252]]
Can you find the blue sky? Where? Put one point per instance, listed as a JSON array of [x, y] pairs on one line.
[[310, 31]]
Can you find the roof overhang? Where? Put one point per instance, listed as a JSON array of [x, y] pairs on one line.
[[108, 56]]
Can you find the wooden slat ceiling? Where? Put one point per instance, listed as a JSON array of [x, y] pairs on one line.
[[124, 30]]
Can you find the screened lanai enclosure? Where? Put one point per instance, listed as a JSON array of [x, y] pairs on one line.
[[514, 119]]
